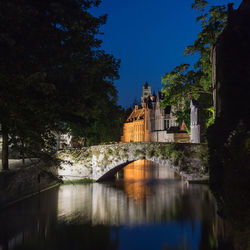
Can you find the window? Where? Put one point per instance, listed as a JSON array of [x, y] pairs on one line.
[[167, 123]]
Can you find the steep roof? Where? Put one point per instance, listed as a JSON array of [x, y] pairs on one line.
[[137, 114]]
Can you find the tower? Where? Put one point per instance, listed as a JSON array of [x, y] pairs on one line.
[[146, 92], [195, 124]]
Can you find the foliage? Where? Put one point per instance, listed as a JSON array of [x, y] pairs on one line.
[[184, 115], [212, 21], [210, 120], [108, 124], [138, 153], [181, 85], [53, 75], [186, 82]]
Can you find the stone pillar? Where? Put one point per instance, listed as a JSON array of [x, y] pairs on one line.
[[195, 123]]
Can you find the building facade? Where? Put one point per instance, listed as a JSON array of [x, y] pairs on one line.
[[152, 123], [63, 141], [137, 126]]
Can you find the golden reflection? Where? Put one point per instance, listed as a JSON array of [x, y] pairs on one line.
[[134, 173], [137, 174], [138, 170], [136, 190]]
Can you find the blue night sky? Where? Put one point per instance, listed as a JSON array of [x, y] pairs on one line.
[[149, 36]]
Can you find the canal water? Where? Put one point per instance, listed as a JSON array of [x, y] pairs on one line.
[[147, 206]]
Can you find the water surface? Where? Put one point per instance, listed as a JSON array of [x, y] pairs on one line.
[[147, 207]]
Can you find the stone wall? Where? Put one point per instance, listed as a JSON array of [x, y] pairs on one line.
[[181, 137], [99, 162], [163, 136], [24, 182]]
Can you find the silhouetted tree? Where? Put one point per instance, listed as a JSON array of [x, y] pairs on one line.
[[53, 75]]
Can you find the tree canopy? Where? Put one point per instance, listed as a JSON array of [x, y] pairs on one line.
[[186, 81], [53, 74]]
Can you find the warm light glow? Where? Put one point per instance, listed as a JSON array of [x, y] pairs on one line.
[[133, 174], [137, 170], [137, 127]]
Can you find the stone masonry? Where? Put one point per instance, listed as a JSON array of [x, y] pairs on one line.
[[100, 162]]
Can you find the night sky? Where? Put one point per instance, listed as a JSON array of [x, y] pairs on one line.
[[149, 36]]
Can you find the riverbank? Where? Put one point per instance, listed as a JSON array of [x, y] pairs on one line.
[[22, 182], [15, 164]]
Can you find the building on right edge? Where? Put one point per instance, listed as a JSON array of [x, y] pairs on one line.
[[231, 67]]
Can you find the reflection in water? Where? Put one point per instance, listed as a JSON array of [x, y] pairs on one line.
[[137, 175], [103, 204], [144, 170], [146, 208]]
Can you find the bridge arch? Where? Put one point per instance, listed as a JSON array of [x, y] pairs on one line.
[[113, 171], [99, 162]]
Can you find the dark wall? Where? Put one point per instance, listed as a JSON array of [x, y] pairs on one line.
[[25, 181], [233, 67]]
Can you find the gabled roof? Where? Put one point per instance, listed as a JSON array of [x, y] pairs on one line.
[[136, 114]]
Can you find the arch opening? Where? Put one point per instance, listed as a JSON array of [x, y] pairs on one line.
[[141, 169], [111, 173]]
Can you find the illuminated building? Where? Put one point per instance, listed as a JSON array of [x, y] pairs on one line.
[[137, 126], [152, 123]]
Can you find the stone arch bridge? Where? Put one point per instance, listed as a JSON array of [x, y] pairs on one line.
[[102, 161]]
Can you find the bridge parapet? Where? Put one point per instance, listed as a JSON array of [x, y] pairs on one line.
[[102, 161]]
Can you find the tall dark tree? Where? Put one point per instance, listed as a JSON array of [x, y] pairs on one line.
[[53, 74], [185, 81]]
